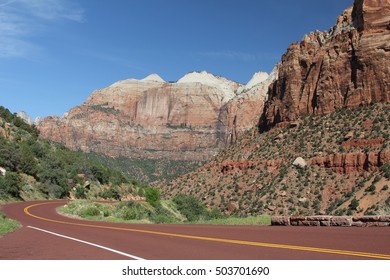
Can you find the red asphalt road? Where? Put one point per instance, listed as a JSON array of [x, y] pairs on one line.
[[180, 242]]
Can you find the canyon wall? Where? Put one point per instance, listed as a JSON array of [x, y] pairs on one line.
[[347, 66]]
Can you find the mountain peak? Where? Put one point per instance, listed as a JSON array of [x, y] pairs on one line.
[[257, 78], [228, 87], [153, 78], [203, 77]]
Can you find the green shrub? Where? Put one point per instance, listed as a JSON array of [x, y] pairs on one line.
[[111, 193], [354, 204], [80, 193], [10, 185], [132, 210], [152, 196], [214, 214], [386, 170], [190, 207], [90, 211], [163, 219], [128, 214], [371, 189], [377, 179]]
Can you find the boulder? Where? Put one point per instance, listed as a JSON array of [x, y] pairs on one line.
[[280, 221], [341, 221], [300, 162]]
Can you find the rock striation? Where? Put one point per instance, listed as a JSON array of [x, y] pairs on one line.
[[348, 163], [150, 118], [346, 66]]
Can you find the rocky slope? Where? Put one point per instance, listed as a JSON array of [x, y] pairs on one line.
[[324, 141], [317, 165], [150, 118], [347, 66]]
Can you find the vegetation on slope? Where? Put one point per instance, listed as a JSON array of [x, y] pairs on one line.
[[38, 169], [257, 175], [182, 209], [147, 170]]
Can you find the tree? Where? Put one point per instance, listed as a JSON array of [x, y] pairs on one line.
[[354, 204], [11, 184], [152, 196], [27, 162], [386, 170], [190, 207]]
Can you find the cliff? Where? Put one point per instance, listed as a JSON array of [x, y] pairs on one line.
[[346, 66], [150, 118]]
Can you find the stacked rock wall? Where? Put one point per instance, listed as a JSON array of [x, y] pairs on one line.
[[342, 221]]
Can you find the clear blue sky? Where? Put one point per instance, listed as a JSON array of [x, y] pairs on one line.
[[54, 53]]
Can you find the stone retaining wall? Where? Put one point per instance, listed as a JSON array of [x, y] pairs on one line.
[[328, 221]]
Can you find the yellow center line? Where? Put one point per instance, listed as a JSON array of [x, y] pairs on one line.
[[213, 239]]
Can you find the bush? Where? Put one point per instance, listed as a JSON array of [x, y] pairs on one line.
[[90, 211], [80, 193], [128, 214], [132, 210], [10, 185], [162, 215], [354, 204], [214, 214], [371, 189], [110, 193], [386, 170], [162, 218], [190, 207], [152, 196]]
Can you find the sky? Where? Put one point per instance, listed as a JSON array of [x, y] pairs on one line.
[[55, 53]]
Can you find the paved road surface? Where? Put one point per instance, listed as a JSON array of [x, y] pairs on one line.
[[48, 235]]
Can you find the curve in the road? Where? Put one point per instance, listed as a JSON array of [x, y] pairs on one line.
[[213, 239]]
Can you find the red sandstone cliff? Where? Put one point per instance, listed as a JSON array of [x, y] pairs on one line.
[[347, 66]]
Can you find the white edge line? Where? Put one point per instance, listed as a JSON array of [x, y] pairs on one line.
[[88, 243]]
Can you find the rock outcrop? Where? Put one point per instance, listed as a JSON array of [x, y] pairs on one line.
[[25, 117], [352, 162], [187, 120], [347, 66]]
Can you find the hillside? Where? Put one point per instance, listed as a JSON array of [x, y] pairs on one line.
[[322, 141], [32, 168], [348, 168]]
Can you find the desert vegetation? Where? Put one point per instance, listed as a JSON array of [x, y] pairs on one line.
[[38, 169], [181, 209], [256, 175]]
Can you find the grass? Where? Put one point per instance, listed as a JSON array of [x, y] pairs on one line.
[[7, 225], [141, 212], [252, 220], [120, 212]]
